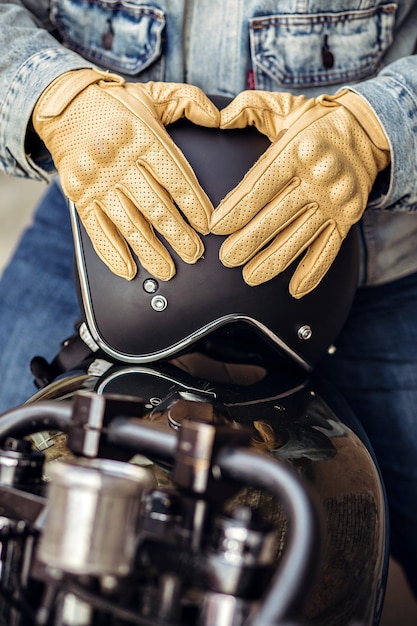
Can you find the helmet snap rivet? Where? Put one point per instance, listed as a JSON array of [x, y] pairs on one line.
[[150, 285], [304, 332], [159, 303]]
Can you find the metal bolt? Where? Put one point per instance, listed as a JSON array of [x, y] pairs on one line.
[[304, 332], [159, 303], [150, 285], [152, 403]]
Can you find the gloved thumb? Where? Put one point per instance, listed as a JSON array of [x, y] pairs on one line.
[[270, 113], [172, 101]]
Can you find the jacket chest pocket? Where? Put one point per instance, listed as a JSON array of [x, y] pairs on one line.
[[315, 50], [123, 36]]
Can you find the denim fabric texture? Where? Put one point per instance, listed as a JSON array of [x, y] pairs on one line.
[[305, 47], [38, 302]]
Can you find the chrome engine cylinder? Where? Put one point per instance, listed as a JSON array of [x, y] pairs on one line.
[[92, 516]]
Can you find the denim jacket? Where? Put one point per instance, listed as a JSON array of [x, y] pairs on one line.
[[226, 46]]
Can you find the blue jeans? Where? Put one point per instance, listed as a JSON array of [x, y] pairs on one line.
[[375, 365], [38, 303], [375, 368]]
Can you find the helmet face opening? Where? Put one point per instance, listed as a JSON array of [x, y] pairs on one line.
[[146, 320]]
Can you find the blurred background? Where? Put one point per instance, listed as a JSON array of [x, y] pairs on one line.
[[17, 201]]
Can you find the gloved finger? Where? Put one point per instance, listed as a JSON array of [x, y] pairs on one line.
[[268, 112], [107, 242], [174, 174], [262, 184], [149, 203], [176, 100], [152, 254], [273, 177], [285, 248], [275, 218], [162, 157], [316, 262], [279, 166], [110, 220]]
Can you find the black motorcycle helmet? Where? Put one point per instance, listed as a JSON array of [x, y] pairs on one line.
[[207, 306]]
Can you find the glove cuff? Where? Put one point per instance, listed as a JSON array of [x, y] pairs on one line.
[[366, 117], [64, 89]]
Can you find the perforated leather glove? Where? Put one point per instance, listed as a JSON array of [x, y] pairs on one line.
[[119, 166], [308, 188]]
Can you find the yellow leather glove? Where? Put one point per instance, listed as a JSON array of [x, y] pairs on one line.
[[119, 166], [308, 188]]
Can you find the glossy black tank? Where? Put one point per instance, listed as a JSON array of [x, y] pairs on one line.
[[307, 427]]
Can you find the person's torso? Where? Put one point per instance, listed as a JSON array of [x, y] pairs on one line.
[[226, 46]]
